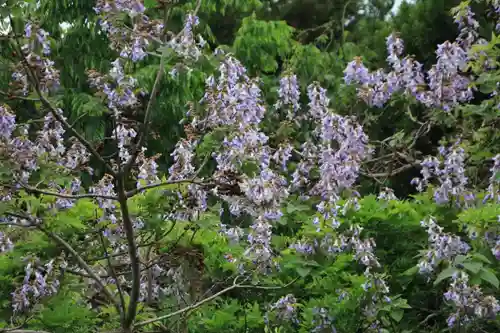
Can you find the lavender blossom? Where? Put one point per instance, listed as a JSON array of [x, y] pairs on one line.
[[451, 176], [7, 122], [289, 95], [6, 244], [286, 309], [469, 302], [323, 321], [442, 246]]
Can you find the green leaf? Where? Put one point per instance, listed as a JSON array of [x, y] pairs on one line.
[[481, 257], [448, 272], [150, 3], [303, 271], [397, 315], [473, 267], [410, 272], [488, 276], [295, 208]]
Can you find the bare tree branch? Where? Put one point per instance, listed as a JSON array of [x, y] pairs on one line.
[[133, 253], [191, 180], [133, 192], [390, 173], [21, 331], [115, 277], [81, 262], [187, 308], [29, 188], [208, 299], [90, 272]]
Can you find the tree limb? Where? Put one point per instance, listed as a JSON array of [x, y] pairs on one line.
[[187, 308], [390, 173], [121, 308], [208, 299], [80, 261], [21, 331], [133, 253], [29, 188]]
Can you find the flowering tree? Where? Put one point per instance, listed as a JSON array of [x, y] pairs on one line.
[[125, 238], [45, 164]]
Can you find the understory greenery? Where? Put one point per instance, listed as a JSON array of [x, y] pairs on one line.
[[249, 166]]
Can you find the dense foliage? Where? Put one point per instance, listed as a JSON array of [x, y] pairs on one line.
[[249, 166]]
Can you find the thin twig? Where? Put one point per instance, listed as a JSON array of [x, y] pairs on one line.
[[135, 191], [391, 173], [121, 308], [187, 308], [80, 261], [208, 299], [21, 331], [9, 96], [191, 180], [68, 247], [63, 195]]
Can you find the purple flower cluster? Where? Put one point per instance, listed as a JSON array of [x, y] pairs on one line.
[[65, 203], [323, 321], [185, 44], [118, 87], [442, 247], [443, 86], [496, 7], [233, 99], [25, 156], [467, 25], [177, 286], [469, 301], [40, 66], [338, 147], [286, 309], [6, 244], [106, 187], [7, 122], [451, 176], [289, 95], [39, 281], [493, 191], [305, 247], [336, 150], [132, 43], [148, 169], [183, 155], [387, 194], [377, 294]]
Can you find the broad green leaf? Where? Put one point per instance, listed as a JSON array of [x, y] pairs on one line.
[[481, 257], [411, 271], [397, 315], [473, 267], [488, 276], [303, 271], [448, 272]]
